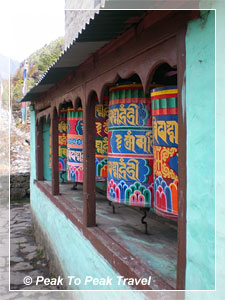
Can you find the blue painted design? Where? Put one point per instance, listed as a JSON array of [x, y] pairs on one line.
[[79, 127], [132, 141], [63, 163], [173, 163], [167, 192], [75, 141], [75, 155], [122, 187], [128, 169], [112, 194], [72, 175], [128, 114], [68, 127], [165, 130]]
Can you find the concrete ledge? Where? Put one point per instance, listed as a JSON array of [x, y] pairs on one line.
[[112, 251], [45, 244]]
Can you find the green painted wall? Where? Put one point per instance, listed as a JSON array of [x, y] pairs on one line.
[[76, 254], [32, 147], [220, 146], [200, 111], [47, 171], [74, 251], [220, 161]]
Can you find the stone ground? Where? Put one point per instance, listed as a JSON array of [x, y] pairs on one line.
[[25, 257]]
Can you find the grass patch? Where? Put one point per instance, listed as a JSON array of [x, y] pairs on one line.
[[24, 200], [39, 254]]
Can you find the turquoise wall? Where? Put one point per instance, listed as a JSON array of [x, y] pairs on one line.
[[32, 147], [220, 161], [76, 254], [220, 146], [47, 171], [200, 111]]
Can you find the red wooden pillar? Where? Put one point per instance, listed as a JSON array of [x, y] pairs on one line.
[[39, 150], [89, 209], [182, 171], [55, 154]]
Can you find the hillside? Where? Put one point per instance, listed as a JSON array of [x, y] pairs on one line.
[[38, 63]]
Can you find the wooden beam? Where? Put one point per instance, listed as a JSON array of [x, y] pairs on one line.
[[182, 170], [44, 113], [89, 210], [55, 150], [39, 150]]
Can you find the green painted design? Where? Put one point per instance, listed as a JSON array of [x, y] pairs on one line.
[[100, 166], [127, 93], [75, 114], [164, 103], [137, 187], [130, 128]]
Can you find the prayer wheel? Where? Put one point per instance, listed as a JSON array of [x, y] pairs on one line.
[[62, 133], [62, 128], [75, 143], [130, 149], [101, 143], [165, 148]]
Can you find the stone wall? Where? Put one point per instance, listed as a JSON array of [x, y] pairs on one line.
[[19, 186], [4, 189]]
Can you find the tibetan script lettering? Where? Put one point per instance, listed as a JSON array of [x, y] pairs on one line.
[[76, 156], [124, 170], [134, 142], [166, 130], [126, 116], [102, 146], [62, 152]]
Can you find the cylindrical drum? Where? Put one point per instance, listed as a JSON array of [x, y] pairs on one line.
[[62, 128], [165, 148], [130, 151], [75, 145], [101, 143], [62, 133]]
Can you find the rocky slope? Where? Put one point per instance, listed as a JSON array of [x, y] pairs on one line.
[[17, 145]]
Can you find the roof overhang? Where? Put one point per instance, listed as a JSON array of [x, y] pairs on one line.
[[106, 26]]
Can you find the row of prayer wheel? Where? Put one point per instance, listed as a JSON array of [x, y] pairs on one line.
[[136, 147]]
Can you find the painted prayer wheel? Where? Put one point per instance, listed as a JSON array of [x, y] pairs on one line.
[[75, 145], [62, 128], [130, 150], [62, 133], [165, 148], [101, 143]]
